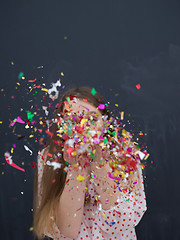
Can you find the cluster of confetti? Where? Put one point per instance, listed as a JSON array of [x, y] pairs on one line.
[[31, 123], [84, 131]]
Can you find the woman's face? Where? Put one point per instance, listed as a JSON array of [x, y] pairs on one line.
[[79, 107]]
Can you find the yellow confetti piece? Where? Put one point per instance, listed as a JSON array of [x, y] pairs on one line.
[[62, 74], [14, 129], [12, 63], [92, 213], [31, 229], [1, 122], [22, 163], [44, 89], [122, 166], [18, 83], [116, 172], [80, 178], [122, 115], [83, 121], [31, 136], [2, 173], [12, 150], [146, 156], [122, 174], [96, 197], [116, 105], [23, 78]]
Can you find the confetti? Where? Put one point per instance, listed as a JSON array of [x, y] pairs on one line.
[[138, 86], [18, 119], [27, 149], [93, 91], [101, 106], [54, 89], [21, 74], [55, 165], [8, 158], [80, 178]]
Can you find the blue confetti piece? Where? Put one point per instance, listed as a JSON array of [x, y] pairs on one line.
[[119, 189]]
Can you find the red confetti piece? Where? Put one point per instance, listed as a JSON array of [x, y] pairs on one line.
[[32, 80], [138, 86], [49, 133], [33, 164]]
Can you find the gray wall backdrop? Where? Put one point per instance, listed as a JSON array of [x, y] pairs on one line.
[[111, 46]]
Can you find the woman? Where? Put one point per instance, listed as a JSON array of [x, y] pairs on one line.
[[77, 198]]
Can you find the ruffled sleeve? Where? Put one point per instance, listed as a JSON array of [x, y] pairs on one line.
[[127, 213]]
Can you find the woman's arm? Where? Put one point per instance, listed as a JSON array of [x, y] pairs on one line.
[[70, 208]]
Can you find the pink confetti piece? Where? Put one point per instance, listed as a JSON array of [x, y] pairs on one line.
[[116, 178], [101, 106], [19, 120]]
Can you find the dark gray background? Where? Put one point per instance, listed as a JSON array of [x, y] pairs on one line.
[[111, 46]]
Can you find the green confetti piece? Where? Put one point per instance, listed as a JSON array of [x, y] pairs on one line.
[[114, 133], [93, 91], [29, 115], [68, 99], [67, 163], [128, 199], [105, 140], [21, 74], [93, 122]]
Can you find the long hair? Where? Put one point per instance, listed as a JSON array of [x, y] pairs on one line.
[[53, 181]]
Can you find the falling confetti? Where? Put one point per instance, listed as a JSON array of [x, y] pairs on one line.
[[138, 86], [8, 158], [27, 149], [93, 91]]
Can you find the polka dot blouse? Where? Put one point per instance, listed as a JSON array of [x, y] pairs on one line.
[[116, 223]]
